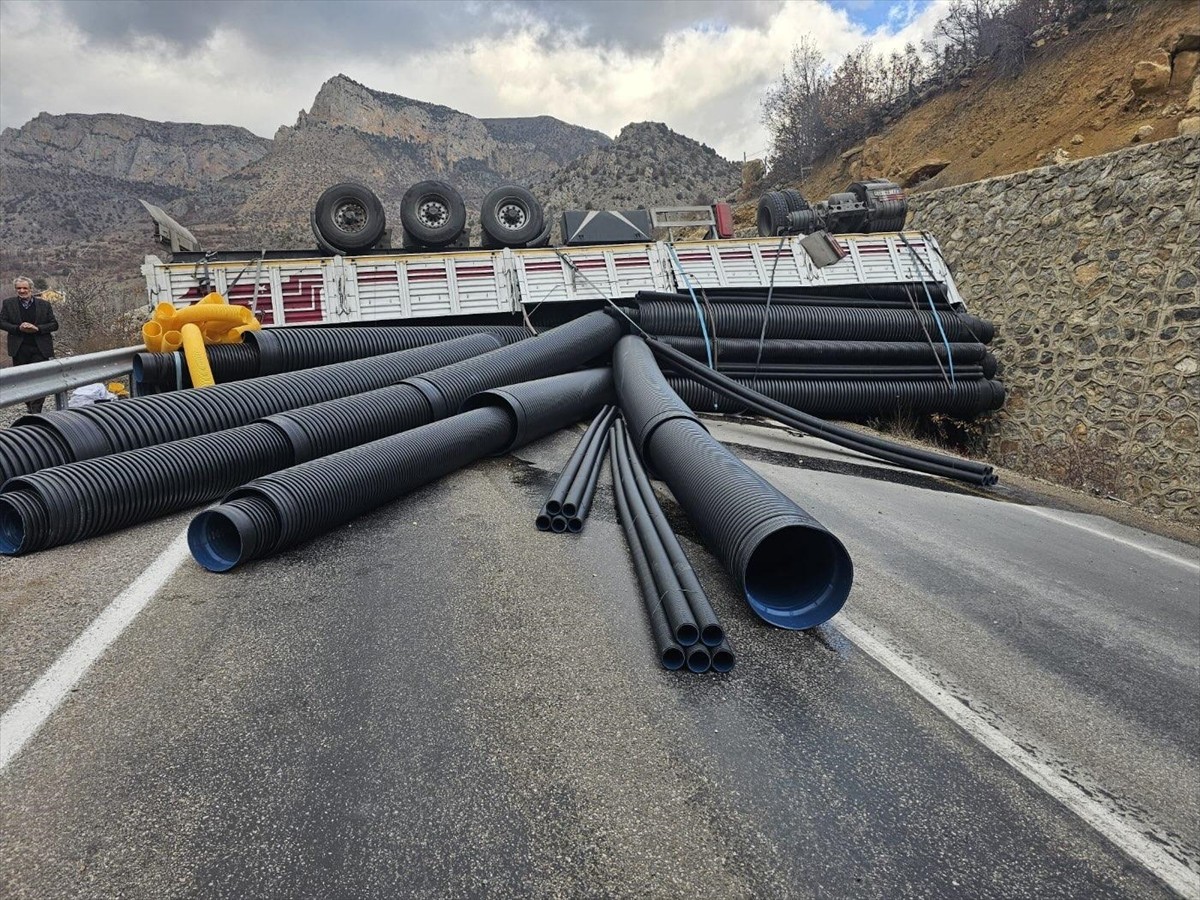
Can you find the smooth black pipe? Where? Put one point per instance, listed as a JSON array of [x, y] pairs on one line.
[[711, 631], [792, 571], [558, 493], [591, 457], [575, 522], [823, 353], [670, 654]]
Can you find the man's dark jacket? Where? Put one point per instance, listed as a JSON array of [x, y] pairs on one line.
[[43, 318]]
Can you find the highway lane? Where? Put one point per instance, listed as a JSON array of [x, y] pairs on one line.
[[438, 700]]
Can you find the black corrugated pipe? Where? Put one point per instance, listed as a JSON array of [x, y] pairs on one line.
[[168, 371], [854, 398], [743, 320], [669, 593], [711, 632], [670, 654], [883, 353], [287, 507], [558, 493], [911, 457], [289, 349], [180, 474], [104, 428], [866, 295], [787, 371], [792, 571], [29, 449]]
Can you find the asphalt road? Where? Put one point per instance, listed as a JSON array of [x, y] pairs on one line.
[[439, 701]]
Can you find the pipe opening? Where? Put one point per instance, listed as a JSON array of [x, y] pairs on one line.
[[542, 522], [558, 524], [568, 509], [798, 577], [574, 524], [672, 659], [712, 634], [722, 660], [687, 634], [553, 507], [12, 528], [698, 659], [215, 541]]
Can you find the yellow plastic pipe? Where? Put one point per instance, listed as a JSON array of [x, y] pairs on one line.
[[214, 332], [210, 312], [197, 359], [152, 333], [164, 312], [214, 297], [171, 341]]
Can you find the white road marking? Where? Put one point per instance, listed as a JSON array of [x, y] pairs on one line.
[[1175, 874], [22, 720], [1165, 554]]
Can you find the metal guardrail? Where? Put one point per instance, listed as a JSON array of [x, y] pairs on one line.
[[57, 376]]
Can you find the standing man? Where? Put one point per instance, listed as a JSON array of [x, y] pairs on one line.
[[29, 321]]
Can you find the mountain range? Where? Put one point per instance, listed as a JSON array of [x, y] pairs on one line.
[[69, 184]]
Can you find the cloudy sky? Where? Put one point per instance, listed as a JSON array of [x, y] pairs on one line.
[[701, 66]]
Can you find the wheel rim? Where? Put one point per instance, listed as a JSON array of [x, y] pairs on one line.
[[350, 216], [512, 216], [433, 212]]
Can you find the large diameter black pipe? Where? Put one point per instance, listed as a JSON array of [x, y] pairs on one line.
[[105, 428], [29, 449], [828, 353], [742, 320], [894, 293], [296, 504], [290, 349], [570, 392], [911, 457], [855, 398], [228, 362], [553, 352], [711, 632], [70, 502], [792, 571]]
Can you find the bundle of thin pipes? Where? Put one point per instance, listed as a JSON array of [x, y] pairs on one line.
[[683, 623], [571, 498]]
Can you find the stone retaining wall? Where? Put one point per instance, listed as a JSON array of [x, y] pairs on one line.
[[1089, 270]]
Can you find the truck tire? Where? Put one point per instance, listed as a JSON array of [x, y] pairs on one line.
[[348, 217], [543, 239], [511, 215], [772, 214], [794, 199], [433, 213]]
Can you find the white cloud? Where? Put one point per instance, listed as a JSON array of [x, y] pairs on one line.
[[704, 80]]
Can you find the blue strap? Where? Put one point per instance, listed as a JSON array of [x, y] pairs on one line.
[[695, 302]]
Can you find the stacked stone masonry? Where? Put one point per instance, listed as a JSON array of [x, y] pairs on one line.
[[1089, 270]]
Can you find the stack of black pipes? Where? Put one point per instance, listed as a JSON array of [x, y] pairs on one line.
[[684, 625], [571, 498], [852, 353]]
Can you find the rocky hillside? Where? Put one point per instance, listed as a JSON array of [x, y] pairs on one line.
[[1122, 77], [647, 165]]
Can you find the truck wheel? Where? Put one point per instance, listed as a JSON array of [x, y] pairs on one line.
[[772, 214], [348, 217], [511, 215], [543, 239], [433, 213], [794, 199]]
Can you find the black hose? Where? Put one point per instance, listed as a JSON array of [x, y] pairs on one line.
[[743, 320], [856, 353], [866, 295], [296, 504], [788, 371], [575, 522], [670, 654], [912, 457], [711, 631], [792, 571]]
